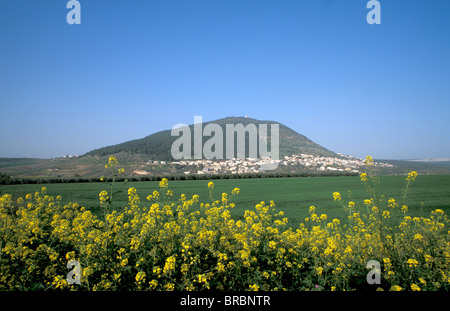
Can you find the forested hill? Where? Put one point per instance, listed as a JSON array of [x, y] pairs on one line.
[[157, 146]]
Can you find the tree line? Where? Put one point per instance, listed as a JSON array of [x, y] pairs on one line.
[[7, 180]]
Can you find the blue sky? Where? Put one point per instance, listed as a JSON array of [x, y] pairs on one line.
[[132, 68]]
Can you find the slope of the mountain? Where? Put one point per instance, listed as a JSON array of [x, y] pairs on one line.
[[158, 146]]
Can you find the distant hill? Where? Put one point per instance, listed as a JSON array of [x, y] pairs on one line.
[[20, 162], [157, 146], [422, 167]]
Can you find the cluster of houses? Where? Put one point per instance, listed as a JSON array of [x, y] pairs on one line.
[[69, 156], [231, 166], [342, 163]]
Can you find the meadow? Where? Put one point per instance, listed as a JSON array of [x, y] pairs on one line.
[[293, 195], [324, 233]]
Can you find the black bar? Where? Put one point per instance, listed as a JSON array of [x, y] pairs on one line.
[[220, 300]]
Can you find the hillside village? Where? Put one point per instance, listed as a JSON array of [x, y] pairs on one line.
[[342, 163]]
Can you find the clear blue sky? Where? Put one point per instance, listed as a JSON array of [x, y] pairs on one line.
[[133, 68]]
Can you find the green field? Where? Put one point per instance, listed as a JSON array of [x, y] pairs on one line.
[[292, 195]]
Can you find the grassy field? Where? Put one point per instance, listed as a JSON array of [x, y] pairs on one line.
[[292, 195]]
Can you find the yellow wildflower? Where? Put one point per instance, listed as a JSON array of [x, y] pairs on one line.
[[438, 212], [319, 270], [140, 277], [169, 265], [164, 183], [336, 196], [363, 176], [411, 176], [369, 161], [412, 263], [111, 162], [169, 286]]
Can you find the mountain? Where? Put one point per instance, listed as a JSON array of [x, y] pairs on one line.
[[158, 146]]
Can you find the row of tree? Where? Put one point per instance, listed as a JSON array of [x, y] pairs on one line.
[[7, 180]]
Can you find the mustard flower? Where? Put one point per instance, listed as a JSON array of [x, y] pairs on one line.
[[396, 288], [140, 276], [412, 263], [319, 270], [169, 265], [438, 212], [132, 191], [164, 183], [111, 162], [363, 176], [418, 236], [202, 278], [169, 286], [411, 176], [369, 161], [336, 196]]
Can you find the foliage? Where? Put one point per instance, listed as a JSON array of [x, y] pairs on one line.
[[62, 180], [181, 243], [5, 179]]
